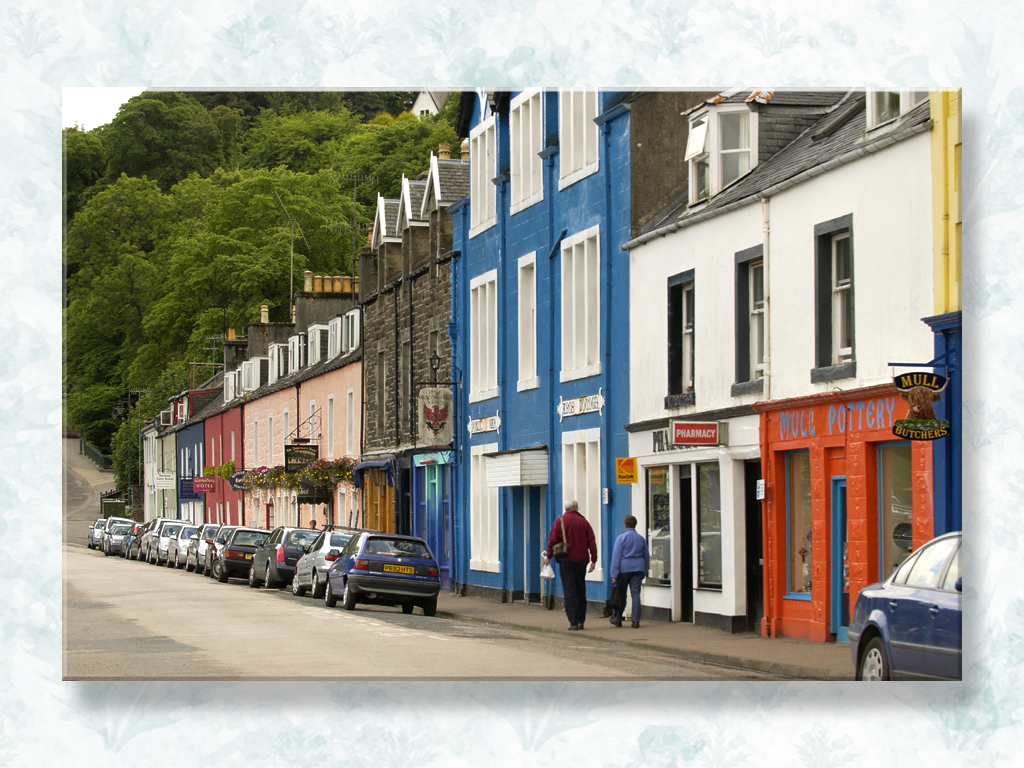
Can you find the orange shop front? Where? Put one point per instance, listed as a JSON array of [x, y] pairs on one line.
[[845, 502]]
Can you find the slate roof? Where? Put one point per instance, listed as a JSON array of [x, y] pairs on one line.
[[391, 209], [453, 180], [777, 98], [836, 137]]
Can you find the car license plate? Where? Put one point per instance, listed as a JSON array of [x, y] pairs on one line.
[[248, 557], [399, 568]]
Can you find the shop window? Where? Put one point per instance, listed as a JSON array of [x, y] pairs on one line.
[[483, 514], [680, 340], [798, 523], [834, 335], [709, 525], [895, 506], [659, 525], [750, 322], [581, 305]]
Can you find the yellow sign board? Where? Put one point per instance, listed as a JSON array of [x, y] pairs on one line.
[[625, 470]]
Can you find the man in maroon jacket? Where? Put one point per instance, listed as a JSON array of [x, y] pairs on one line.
[[573, 564]]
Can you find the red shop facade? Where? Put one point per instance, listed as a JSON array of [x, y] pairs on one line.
[[845, 502]]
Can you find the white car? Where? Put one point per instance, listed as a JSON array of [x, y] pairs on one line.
[[161, 541]]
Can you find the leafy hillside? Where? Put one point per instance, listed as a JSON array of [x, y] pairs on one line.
[[178, 226]]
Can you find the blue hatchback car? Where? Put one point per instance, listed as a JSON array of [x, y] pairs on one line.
[[909, 627], [384, 569]]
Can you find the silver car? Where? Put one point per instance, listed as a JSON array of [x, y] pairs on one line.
[[162, 540], [196, 553], [108, 525], [113, 540], [177, 549], [150, 536], [311, 569], [95, 533]]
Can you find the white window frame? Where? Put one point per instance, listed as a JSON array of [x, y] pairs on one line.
[[842, 295], [256, 443], [483, 337], [483, 167], [704, 145], [581, 306], [233, 446], [350, 332], [312, 424], [527, 294], [756, 315], [578, 135], [296, 353], [581, 480], [526, 169], [270, 439], [908, 99], [284, 427], [313, 342], [334, 338], [349, 419], [689, 322], [229, 387], [330, 426], [484, 533]]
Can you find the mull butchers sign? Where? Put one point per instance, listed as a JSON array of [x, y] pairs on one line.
[[697, 433], [580, 405]]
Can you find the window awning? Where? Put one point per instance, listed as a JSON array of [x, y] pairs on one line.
[[387, 464], [527, 466]]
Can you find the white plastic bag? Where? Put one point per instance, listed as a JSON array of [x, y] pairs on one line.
[[547, 572]]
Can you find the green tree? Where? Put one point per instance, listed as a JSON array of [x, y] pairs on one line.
[[306, 141], [84, 165]]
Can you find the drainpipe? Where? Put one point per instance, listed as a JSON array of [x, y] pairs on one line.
[[606, 330], [398, 421], [766, 234]]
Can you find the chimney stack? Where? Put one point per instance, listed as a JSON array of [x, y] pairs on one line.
[[264, 314], [444, 151]]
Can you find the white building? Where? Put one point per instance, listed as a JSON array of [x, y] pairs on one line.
[[750, 291]]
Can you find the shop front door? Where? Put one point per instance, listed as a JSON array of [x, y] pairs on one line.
[[840, 568], [432, 515]]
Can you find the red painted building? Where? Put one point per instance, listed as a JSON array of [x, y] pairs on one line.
[[845, 502], [223, 443]]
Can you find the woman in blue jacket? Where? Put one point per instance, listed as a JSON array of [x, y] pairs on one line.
[[630, 561]]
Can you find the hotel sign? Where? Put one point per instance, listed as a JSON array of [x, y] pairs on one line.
[[204, 484], [699, 433], [298, 456]]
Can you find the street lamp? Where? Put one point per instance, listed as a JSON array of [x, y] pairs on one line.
[[435, 363]]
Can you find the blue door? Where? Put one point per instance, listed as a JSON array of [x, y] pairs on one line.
[[840, 590], [432, 514]]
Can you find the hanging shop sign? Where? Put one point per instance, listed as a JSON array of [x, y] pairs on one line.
[[920, 389], [204, 484], [237, 481], [580, 405], [699, 433], [486, 424], [163, 481], [435, 409], [625, 470], [298, 456]]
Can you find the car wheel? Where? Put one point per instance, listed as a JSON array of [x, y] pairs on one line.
[[219, 573], [430, 607], [297, 589], [252, 577], [407, 607], [873, 663], [318, 588], [106, 552], [330, 599], [172, 561], [348, 599], [188, 565], [268, 581]]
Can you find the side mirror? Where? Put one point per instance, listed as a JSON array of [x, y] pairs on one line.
[[959, 583]]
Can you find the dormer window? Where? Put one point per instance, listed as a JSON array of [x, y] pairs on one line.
[[350, 332], [334, 338], [296, 353], [884, 106], [720, 148]]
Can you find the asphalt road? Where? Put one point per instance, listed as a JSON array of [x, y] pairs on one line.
[[126, 620]]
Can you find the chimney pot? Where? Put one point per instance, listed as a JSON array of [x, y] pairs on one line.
[[231, 334], [264, 313], [337, 284], [318, 284], [307, 281], [464, 150], [444, 151]]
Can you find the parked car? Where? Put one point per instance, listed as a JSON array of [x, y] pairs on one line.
[[130, 538], [311, 569], [177, 548], [108, 526], [908, 627], [150, 535], [214, 546], [95, 532], [384, 569], [273, 562], [113, 540], [196, 552], [161, 541], [234, 558]]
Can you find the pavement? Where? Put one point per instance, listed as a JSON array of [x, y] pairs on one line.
[[782, 656]]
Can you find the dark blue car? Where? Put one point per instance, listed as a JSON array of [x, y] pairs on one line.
[[908, 627], [384, 569]]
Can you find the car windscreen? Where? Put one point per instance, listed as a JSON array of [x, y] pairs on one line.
[[340, 539], [170, 530], [120, 530], [249, 538], [186, 532], [396, 548], [223, 535], [295, 538]]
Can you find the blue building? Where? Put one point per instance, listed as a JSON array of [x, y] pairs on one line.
[[539, 331]]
